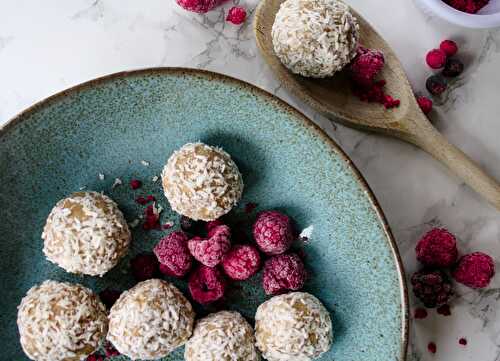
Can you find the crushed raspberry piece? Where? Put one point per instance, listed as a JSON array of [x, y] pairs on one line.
[[198, 6], [436, 58], [425, 104], [151, 218], [366, 66], [110, 350], [207, 284], [273, 232], [209, 251], [468, 6], [173, 254], [109, 297], [432, 347], [241, 262], [150, 198], [284, 272], [250, 207], [474, 270], [449, 47], [95, 357], [432, 287], [236, 15], [420, 313], [141, 200], [444, 310], [437, 248], [135, 184], [144, 266], [462, 341]]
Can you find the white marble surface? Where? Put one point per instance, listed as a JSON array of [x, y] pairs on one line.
[[46, 46]]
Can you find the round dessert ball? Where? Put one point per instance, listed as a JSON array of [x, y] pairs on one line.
[[86, 233], [293, 327], [315, 38], [222, 336], [61, 321], [202, 182], [150, 320]]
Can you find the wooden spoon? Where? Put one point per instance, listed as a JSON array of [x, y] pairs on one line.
[[333, 98]]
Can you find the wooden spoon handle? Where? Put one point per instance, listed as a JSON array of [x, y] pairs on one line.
[[433, 142]]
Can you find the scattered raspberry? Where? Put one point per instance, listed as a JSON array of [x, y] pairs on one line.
[[250, 207], [207, 284], [432, 347], [236, 15], [444, 310], [453, 68], [273, 232], [141, 200], [144, 266], [110, 350], [198, 6], [449, 47], [151, 218], [135, 184], [433, 288], [437, 248], [210, 226], [375, 94], [436, 58], [283, 273], [474, 270], [95, 357], [420, 313], [211, 250], [109, 297], [366, 66], [468, 6], [462, 341], [241, 262], [436, 84], [173, 254], [425, 104], [150, 198], [167, 225]]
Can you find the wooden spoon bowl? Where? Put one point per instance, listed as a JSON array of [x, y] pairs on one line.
[[333, 97]]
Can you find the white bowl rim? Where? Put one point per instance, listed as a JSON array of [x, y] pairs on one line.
[[458, 17]]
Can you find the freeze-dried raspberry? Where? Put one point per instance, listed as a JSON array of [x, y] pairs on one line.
[[173, 254], [207, 284], [474, 270], [432, 287], [236, 15], [198, 6], [135, 184], [431, 346], [273, 232], [211, 250], [241, 262], [437, 248], [366, 66], [144, 266], [283, 273], [109, 297]]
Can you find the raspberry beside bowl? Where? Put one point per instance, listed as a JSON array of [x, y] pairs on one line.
[[487, 18]]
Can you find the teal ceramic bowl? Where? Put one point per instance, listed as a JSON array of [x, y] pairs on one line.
[[111, 124]]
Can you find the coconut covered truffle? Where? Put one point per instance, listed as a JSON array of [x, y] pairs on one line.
[[86, 233], [315, 38], [222, 336], [202, 182], [150, 320], [61, 321], [293, 327]]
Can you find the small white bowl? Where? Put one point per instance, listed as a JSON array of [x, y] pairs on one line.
[[488, 17]]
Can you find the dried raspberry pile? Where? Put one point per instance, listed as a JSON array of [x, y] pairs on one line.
[[474, 270], [284, 272], [273, 232], [433, 288], [468, 6]]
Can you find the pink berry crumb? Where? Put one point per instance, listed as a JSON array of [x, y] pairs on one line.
[[135, 184], [437, 248], [241, 262], [198, 6], [420, 313], [285, 272], [206, 284], [462, 341], [431, 346], [474, 270], [209, 251], [236, 15], [273, 232], [173, 254]]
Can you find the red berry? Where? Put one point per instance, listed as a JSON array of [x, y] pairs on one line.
[[198, 6], [241, 262], [273, 232], [135, 184], [425, 104], [437, 248], [420, 313], [283, 273], [173, 254], [141, 200], [109, 297], [474, 270], [444, 310], [212, 225], [436, 84], [236, 15], [453, 68], [436, 58], [432, 347], [462, 341], [366, 66], [449, 47], [206, 284], [144, 266], [110, 350], [211, 250], [432, 287]]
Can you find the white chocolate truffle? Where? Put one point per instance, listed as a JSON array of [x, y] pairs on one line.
[[202, 182], [222, 336], [150, 320], [315, 38], [86, 233], [293, 327], [61, 321]]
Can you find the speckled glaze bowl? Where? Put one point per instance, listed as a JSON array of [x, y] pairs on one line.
[[111, 124]]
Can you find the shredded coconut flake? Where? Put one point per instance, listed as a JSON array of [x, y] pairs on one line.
[[145, 163], [101, 176], [134, 223], [116, 183], [155, 179], [306, 233]]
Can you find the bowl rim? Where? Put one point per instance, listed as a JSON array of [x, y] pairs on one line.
[[308, 123], [452, 15]]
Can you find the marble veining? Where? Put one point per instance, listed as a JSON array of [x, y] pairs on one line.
[[51, 45]]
